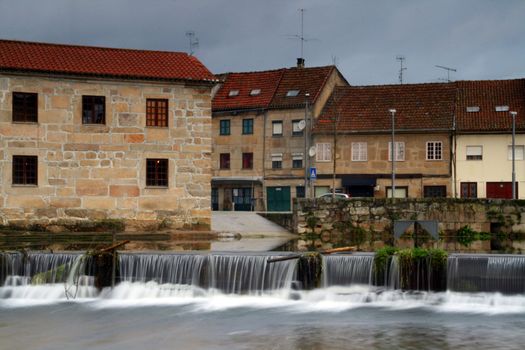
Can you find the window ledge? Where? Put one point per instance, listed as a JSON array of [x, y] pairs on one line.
[[158, 127], [157, 187], [22, 185], [25, 123]]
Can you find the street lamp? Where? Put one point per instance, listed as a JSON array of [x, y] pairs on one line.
[[306, 146], [513, 114], [392, 153]]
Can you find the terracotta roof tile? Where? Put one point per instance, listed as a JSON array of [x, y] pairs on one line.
[[97, 61], [366, 108], [487, 95], [244, 83], [274, 86], [306, 80]]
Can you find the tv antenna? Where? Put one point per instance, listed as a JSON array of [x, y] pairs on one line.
[[448, 69], [194, 41], [401, 59], [301, 37]]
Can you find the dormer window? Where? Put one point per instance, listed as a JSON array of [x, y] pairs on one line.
[[292, 93], [472, 109], [502, 108], [255, 92], [233, 93]]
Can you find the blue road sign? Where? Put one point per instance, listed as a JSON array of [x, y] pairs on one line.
[[313, 173]]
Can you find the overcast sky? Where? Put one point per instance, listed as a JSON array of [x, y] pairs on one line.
[[482, 39]]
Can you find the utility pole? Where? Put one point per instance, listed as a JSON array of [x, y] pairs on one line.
[[392, 152], [513, 115], [306, 147]]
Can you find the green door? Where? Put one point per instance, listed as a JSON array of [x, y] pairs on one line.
[[278, 198]]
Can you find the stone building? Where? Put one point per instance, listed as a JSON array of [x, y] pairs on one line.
[[92, 133], [358, 120], [259, 130]]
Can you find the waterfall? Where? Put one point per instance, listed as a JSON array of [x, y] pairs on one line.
[[486, 273], [228, 273], [342, 270]]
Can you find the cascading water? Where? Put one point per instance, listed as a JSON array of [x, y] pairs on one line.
[[343, 270], [239, 274], [46, 276], [486, 273]]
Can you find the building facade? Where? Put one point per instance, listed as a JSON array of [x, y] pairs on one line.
[[358, 121], [261, 123], [483, 139], [96, 133]]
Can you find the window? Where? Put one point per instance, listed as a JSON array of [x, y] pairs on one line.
[[233, 93], [255, 92], [400, 192], [518, 152], [399, 151], [25, 107], [434, 150], [474, 152], [277, 161], [247, 126], [157, 172], [502, 108], [277, 128], [224, 161], [292, 93], [472, 109], [93, 110], [297, 127], [434, 191], [323, 152], [247, 160], [299, 192], [157, 112], [359, 152], [25, 170], [297, 160], [224, 127], [469, 190]]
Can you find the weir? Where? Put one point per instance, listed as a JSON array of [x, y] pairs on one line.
[[251, 274]]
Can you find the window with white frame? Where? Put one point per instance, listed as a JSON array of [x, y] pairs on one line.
[[359, 152], [474, 153], [297, 160], [277, 161], [323, 152], [434, 150], [518, 152], [277, 128], [399, 151]]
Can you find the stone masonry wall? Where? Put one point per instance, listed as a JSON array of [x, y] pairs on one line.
[[97, 172], [376, 215]]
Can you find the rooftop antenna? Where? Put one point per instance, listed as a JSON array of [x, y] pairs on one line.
[[448, 69], [301, 36], [401, 59], [194, 41]]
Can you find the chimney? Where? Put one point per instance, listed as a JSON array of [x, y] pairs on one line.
[[300, 62]]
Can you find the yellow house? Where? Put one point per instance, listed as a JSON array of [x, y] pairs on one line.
[[483, 139]]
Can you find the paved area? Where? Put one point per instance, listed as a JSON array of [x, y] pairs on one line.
[[245, 223], [257, 233]]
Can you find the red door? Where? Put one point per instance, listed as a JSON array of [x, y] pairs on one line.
[[500, 190]]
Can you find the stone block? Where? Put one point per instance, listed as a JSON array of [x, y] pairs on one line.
[[124, 191], [81, 147], [18, 201], [98, 203], [60, 202], [134, 138], [158, 203], [91, 188], [128, 119], [61, 101]]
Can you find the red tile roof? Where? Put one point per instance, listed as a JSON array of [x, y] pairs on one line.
[[274, 86], [366, 108], [307, 80], [266, 81], [487, 95], [97, 61]]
